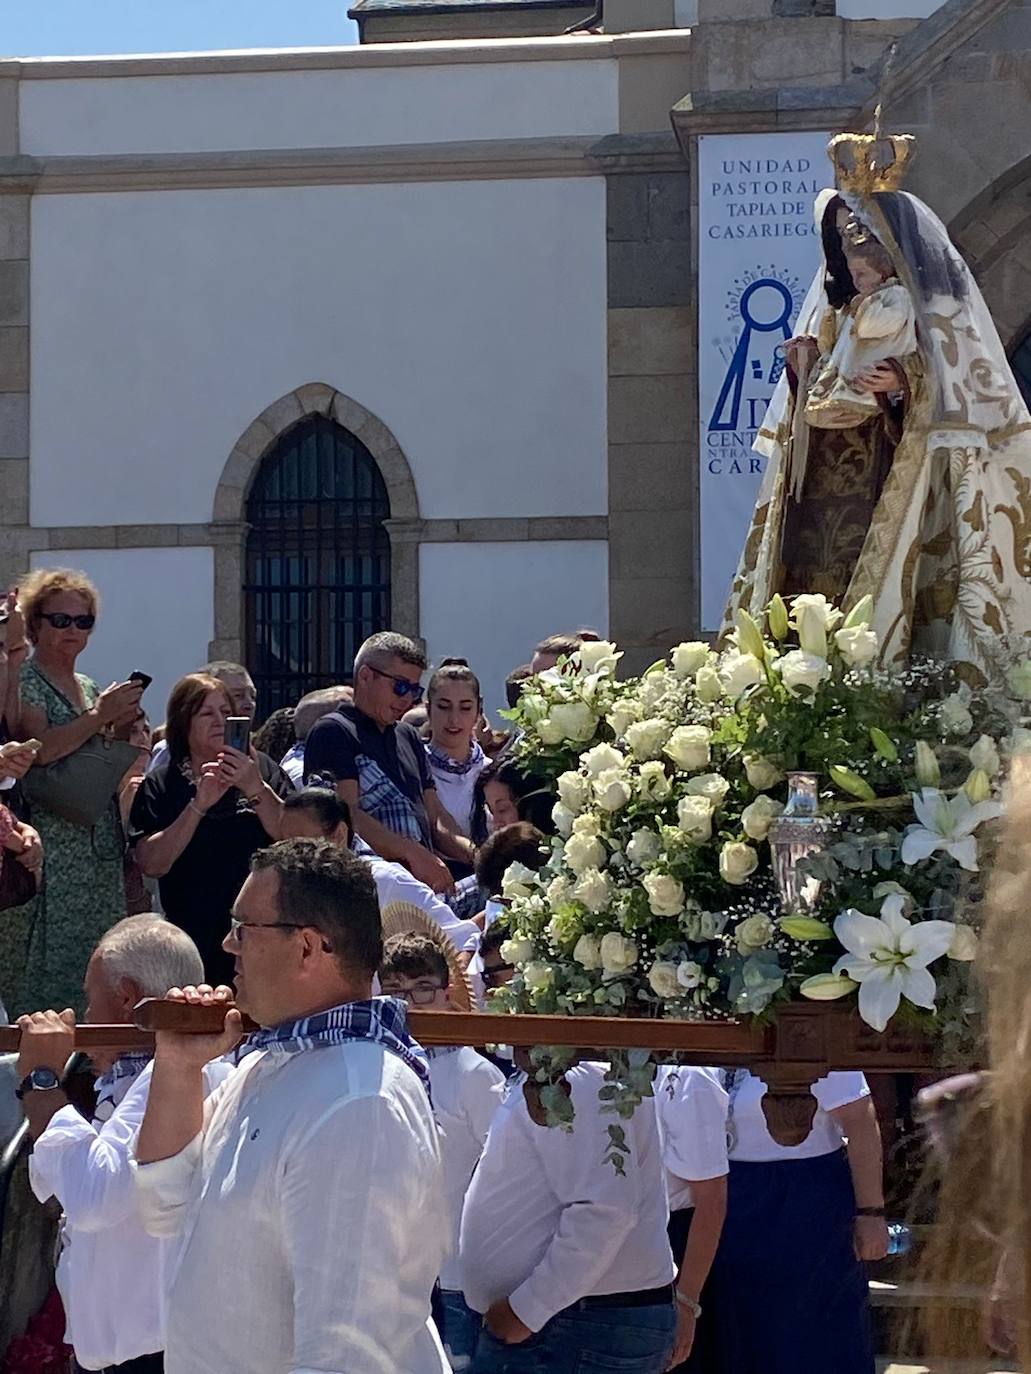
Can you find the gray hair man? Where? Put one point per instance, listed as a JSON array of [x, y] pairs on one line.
[[110, 1273], [380, 765], [307, 713]]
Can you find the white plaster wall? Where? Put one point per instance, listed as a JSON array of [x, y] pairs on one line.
[[491, 603], [887, 9], [345, 107], [155, 614], [469, 317]]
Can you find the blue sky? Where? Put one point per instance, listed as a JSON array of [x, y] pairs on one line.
[[51, 28]]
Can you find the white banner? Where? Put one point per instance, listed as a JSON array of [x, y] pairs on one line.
[[757, 251]]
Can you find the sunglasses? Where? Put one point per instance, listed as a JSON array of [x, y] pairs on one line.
[[495, 976], [61, 620], [402, 687]]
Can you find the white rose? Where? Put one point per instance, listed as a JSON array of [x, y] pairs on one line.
[[712, 786], [601, 758], [799, 669], [576, 720], [587, 952], [985, 755], [858, 646], [955, 718], [688, 658], [646, 738], [753, 934], [549, 732], [538, 976], [739, 671], [688, 747], [573, 791], [623, 715], [737, 862], [964, 944], [594, 890], [598, 656], [665, 894], [694, 815], [563, 819], [644, 848], [612, 790], [819, 608], [518, 881], [584, 852], [652, 782], [662, 979], [689, 974], [762, 772], [707, 684], [757, 817], [618, 954], [519, 950]]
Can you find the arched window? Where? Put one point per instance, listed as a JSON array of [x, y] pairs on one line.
[[1021, 361], [317, 576]]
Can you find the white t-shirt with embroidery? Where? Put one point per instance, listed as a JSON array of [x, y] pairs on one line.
[[750, 1139]]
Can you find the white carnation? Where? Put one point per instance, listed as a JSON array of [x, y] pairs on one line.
[[623, 715], [643, 848], [594, 890], [573, 791], [563, 819], [519, 950], [707, 684], [559, 890], [583, 852]]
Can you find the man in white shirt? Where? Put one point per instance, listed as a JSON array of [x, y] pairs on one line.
[[567, 1257], [308, 1192], [466, 1092], [110, 1273]]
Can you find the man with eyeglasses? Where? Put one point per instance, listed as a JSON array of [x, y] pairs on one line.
[[380, 764], [309, 1193]]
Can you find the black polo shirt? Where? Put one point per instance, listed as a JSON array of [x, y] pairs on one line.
[[338, 740]]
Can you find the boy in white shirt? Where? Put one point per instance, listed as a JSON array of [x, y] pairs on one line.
[[466, 1092], [567, 1258]]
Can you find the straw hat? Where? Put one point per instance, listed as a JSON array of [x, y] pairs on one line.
[[401, 917]]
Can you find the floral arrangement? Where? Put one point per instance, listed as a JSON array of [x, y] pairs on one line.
[[659, 896]]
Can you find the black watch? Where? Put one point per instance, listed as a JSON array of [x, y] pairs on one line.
[[39, 1080]]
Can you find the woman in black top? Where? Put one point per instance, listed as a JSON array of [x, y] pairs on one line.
[[201, 815]]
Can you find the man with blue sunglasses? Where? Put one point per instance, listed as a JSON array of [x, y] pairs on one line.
[[380, 764]]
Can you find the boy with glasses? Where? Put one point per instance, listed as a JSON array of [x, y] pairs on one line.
[[466, 1092], [380, 765]]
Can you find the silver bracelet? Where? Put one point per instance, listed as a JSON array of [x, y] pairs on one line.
[[191, 805], [695, 1308]]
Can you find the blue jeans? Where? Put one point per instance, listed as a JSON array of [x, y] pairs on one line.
[[460, 1329], [597, 1340]]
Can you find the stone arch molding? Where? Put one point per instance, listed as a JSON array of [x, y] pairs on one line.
[[229, 514], [994, 235]]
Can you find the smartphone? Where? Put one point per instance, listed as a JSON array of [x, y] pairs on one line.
[[144, 679], [238, 733]]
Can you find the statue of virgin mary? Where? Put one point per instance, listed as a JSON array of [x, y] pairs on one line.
[[924, 504]]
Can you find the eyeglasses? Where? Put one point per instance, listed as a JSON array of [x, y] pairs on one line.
[[236, 929], [419, 996], [402, 687], [61, 620], [494, 976]]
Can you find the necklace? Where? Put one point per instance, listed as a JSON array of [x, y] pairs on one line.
[[733, 1081]]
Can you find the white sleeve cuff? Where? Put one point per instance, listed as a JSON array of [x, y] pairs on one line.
[[529, 1308]]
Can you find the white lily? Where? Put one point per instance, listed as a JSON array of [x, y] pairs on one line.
[[946, 824], [888, 957]]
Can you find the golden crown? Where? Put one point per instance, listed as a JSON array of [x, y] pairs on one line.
[[865, 163]]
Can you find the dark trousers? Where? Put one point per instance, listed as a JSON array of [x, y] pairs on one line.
[[145, 1364], [700, 1359]]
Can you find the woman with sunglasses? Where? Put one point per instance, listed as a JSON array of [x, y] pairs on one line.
[[45, 945]]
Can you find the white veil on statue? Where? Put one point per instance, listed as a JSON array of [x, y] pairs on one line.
[[947, 558]]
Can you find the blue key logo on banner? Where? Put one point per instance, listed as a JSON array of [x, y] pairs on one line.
[[762, 306]]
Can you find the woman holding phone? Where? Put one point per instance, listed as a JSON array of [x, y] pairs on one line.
[[202, 813], [44, 945]]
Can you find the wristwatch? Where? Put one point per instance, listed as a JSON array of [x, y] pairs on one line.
[[39, 1080]]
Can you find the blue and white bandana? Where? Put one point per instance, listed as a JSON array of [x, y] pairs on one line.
[[129, 1065], [383, 1020]]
